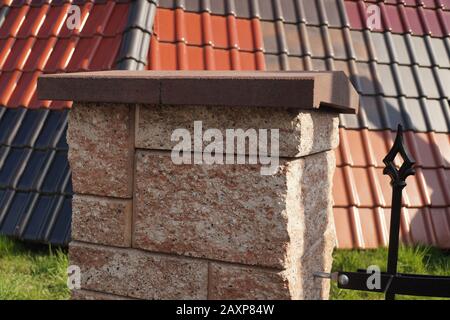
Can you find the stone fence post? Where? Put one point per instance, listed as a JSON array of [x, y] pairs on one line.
[[245, 212]]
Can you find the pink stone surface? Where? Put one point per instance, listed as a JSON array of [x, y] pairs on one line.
[[229, 282], [137, 274], [101, 143], [301, 132], [101, 220], [230, 212]]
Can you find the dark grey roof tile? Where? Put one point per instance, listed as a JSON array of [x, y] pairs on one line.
[[311, 12], [58, 170], [9, 123], [217, 7], [270, 38], [61, 228], [394, 113], [401, 52], [289, 11], [296, 63], [381, 50], [333, 13], [386, 79], [420, 52], [371, 112], [340, 65], [338, 43], [350, 121], [30, 125], [281, 37], [440, 52], [319, 64], [54, 126], [37, 221], [293, 39], [30, 174], [414, 116], [359, 45], [444, 78], [243, 9], [11, 166], [17, 205], [267, 11], [6, 197], [272, 62], [135, 40], [138, 15], [438, 115], [428, 83], [407, 81], [169, 4], [316, 41]]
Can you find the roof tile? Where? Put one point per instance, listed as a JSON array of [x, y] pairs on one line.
[[354, 15], [400, 73], [419, 51], [13, 22], [54, 22], [35, 186], [33, 21]]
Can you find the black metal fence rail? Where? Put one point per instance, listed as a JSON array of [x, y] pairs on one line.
[[392, 282]]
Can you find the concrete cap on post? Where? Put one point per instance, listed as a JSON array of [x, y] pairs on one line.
[[303, 90]]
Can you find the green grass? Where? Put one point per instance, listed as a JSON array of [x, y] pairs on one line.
[[418, 260], [30, 271]]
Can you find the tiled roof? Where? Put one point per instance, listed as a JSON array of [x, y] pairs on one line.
[[362, 194], [35, 184], [135, 43], [401, 71], [184, 40]]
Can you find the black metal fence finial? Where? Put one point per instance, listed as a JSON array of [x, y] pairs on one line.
[[398, 176], [398, 182]]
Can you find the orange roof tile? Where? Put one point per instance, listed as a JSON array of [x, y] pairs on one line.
[[213, 39], [34, 38]]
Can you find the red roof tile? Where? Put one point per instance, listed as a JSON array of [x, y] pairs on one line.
[[35, 184], [34, 38], [419, 19], [201, 41]]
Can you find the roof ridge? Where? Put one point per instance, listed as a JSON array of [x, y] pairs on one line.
[[136, 36], [55, 3], [74, 35]]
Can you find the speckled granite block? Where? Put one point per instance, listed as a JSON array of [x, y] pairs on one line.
[[232, 213], [101, 220], [101, 144], [302, 132], [138, 274]]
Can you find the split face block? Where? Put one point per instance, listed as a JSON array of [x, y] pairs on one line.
[[245, 214]]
